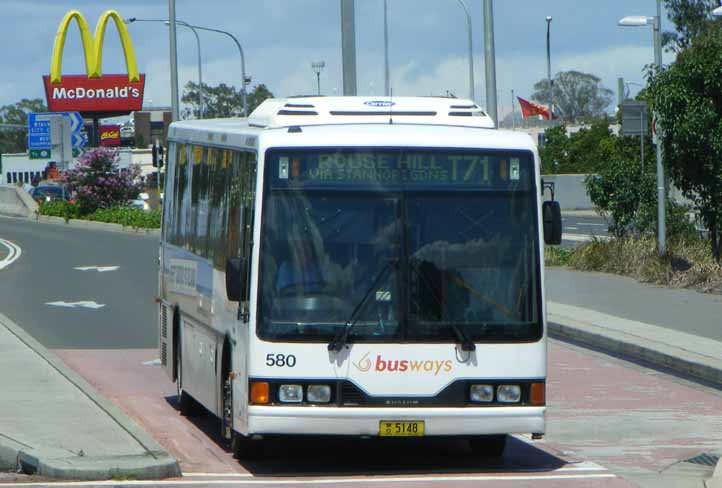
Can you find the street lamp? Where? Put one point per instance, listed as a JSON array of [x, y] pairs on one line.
[[655, 22], [198, 43], [471, 52], [549, 68], [317, 66], [244, 80]]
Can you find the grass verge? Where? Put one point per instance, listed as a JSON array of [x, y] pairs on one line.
[[687, 264]]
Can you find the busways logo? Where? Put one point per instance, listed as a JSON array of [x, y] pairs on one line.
[[381, 365]]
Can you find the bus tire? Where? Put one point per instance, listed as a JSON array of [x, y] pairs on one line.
[[245, 448], [488, 446]]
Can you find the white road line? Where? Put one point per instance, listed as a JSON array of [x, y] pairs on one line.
[[156, 362], [571, 228], [99, 269], [217, 475], [586, 466], [589, 223], [320, 481], [14, 252], [82, 304]]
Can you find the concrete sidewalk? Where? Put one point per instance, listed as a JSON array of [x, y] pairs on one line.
[[600, 318], [53, 423]]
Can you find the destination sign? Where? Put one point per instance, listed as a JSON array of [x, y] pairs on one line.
[[402, 168]]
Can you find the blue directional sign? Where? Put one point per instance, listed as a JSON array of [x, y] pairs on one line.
[[39, 129], [80, 139]]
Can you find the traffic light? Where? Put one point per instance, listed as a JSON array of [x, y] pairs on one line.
[[158, 152]]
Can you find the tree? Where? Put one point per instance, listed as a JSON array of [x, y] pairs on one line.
[[577, 96], [691, 18], [687, 97], [221, 101], [16, 140], [585, 151], [96, 182]]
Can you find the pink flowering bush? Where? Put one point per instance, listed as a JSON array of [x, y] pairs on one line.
[[97, 182]]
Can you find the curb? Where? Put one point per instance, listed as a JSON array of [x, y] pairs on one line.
[[682, 361], [84, 224], [156, 463]]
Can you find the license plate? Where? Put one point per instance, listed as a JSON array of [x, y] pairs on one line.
[[401, 429]]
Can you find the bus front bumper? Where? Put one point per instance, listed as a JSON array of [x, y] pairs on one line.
[[349, 421]]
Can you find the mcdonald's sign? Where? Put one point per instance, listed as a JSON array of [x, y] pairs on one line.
[[94, 94]]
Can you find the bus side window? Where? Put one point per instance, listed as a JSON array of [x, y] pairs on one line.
[[241, 191]]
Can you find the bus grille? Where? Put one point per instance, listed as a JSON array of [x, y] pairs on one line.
[[164, 354], [351, 395]]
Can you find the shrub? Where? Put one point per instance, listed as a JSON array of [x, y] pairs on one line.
[[128, 217], [66, 210], [97, 182]]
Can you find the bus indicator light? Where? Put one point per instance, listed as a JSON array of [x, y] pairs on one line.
[[538, 394], [260, 393]]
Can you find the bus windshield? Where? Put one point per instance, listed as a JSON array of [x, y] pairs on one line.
[[404, 244]]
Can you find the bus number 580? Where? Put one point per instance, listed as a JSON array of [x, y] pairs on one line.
[[281, 360]]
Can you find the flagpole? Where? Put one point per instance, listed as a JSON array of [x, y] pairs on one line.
[[513, 111]]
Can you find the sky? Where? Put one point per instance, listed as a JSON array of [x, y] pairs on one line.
[[428, 50]]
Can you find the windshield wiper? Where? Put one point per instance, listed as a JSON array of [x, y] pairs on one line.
[[466, 343], [341, 337]]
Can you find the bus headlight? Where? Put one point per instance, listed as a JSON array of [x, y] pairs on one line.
[[318, 394], [290, 393], [481, 393], [508, 393]]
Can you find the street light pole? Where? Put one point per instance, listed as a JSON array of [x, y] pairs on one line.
[[174, 103], [387, 76], [201, 105], [549, 68], [172, 23], [490, 60], [317, 66], [655, 22], [243, 63], [471, 51]]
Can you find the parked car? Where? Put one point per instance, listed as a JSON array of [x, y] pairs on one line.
[[50, 193]]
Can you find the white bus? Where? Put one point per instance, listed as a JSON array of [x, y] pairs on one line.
[[351, 266]]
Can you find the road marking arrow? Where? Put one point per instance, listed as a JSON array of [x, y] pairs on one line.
[[99, 269], [84, 304]]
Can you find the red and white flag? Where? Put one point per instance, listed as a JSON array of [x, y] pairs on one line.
[[530, 109]]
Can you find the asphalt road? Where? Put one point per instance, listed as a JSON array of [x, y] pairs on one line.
[[45, 273], [610, 422]]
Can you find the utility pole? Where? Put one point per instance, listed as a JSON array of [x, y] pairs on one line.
[[173, 61], [661, 199], [348, 47], [490, 60]]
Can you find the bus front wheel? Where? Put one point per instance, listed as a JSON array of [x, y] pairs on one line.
[[488, 446], [246, 448]]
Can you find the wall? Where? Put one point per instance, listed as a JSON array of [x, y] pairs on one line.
[[569, 191], [16, 202]]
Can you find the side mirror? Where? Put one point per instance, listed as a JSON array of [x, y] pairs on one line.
[[234, 275], [552, 219]]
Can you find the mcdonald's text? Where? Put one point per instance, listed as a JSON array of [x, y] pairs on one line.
[[109, 93]]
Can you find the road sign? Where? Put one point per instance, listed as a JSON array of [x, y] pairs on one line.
[[39, 154], [39, 129], [79, 139], [634, 115]]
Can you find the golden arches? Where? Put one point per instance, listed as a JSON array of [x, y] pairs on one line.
[[92, 45]]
